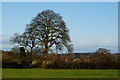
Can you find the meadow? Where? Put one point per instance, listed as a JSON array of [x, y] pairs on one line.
[[58, 73]]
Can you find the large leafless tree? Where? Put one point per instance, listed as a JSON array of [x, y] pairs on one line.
[[47, 29]]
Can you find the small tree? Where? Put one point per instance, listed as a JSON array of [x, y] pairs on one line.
[[27, 40], [22, 51]]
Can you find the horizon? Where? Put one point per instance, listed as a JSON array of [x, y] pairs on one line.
[[88, 22]]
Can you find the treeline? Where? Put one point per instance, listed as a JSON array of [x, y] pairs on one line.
[[96, 60]]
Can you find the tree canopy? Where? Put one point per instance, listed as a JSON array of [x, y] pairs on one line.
[[45, 31]]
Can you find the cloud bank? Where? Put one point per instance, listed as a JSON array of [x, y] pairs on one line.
[[80, 45]]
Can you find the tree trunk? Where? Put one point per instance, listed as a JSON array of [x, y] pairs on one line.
[[31, 50], [46, 49]]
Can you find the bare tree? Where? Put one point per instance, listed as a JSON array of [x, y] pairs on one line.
[[20, 40], [47, 29], [27, 40]]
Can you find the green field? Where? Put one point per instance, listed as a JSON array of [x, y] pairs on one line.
[[58, 73]]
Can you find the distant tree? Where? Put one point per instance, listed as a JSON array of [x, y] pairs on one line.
[[103, 50], [47, 29]]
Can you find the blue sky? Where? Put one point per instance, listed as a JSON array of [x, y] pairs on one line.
[[92, 25]]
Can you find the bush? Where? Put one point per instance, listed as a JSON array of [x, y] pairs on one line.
[[54, 61]]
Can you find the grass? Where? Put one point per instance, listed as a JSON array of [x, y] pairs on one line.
[[58, 73]]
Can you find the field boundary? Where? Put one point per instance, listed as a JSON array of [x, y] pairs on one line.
[[60, 78]]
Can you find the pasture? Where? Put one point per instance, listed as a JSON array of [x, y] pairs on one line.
[[58, 73]]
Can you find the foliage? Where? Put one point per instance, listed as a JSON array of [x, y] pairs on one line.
[[60, 61], [96, 60]]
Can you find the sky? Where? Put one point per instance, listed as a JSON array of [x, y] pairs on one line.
[[60, 0], [92, 25]]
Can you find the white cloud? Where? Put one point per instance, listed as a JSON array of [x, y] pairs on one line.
[[108, 41], [6, 46], [79, 44], [5, 43], [85, 44]]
